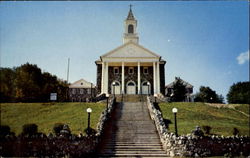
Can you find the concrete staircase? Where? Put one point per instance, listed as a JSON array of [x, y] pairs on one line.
[[131, 133]]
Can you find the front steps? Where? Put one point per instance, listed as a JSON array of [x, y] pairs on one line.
[[131, 133]]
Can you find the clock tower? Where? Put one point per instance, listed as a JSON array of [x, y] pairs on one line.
[[130, 25]]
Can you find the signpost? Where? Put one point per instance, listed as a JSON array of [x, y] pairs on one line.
[[53, 96]]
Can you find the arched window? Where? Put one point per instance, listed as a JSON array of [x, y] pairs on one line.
[[131, 84], [130, 28]]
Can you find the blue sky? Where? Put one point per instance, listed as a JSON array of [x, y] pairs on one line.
[[205, 43]]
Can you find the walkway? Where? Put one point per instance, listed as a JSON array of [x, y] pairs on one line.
[[131, 133]]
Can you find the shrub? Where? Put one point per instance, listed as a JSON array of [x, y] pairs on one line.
[[90, 131], [30, 129], [207, 129], [4, 130], [236, 132], [57, 128]]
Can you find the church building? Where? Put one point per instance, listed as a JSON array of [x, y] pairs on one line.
[[130, 68]]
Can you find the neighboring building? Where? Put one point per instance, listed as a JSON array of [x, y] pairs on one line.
[[189, 89], [132, 68], [81, 91]]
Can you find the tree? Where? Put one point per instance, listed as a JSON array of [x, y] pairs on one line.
[[239, 93], [7, 89], [179, 90], [28, 83], [206, 94]]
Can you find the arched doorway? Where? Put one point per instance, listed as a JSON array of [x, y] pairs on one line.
[[146, 89], [131, 87], [116, 88]]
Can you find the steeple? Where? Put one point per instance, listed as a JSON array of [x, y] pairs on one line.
[[130, 14], [130, 25]]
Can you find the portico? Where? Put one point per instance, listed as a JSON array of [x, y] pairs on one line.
[[130, 68]]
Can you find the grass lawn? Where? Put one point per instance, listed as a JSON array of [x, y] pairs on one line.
[[222, 120], [45, 115]]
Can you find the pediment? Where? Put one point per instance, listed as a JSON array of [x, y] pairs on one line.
[[130, 50], [81, 84]]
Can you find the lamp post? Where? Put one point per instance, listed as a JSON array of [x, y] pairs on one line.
[[175, 110], [107, 103], [89, 110], [148, 84], [113, 84]]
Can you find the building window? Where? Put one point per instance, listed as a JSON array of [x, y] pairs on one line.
[[130, 70], [130, 28], [81, 91], [145, 70], [89, 90], [73, 91], [81, 83], [116, 70]]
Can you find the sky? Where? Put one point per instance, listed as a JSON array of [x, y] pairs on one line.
[[205, 43]]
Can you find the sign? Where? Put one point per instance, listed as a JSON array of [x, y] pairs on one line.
[[53, 96]]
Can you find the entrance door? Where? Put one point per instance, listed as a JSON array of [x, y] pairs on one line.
[[145, 88], [131, 88], [116, 89]]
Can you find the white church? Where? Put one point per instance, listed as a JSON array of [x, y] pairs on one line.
[[130, 68]]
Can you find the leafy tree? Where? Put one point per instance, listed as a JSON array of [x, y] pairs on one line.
[[28, 84], [179, 90], [7, 89], [239, 93], [208, 95]]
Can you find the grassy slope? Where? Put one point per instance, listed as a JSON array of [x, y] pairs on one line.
[[221, 120], [45, 115]]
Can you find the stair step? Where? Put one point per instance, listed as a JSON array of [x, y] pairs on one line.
[[133, 149], [133, 155], [134, 144]]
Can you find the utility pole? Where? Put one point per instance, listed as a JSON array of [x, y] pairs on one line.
[[68, 71]]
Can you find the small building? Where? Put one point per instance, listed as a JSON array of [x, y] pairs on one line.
[[81, 91], [189, 89]]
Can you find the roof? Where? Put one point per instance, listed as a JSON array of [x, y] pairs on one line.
[[171, 85], [81, 84], [130, 45], [130, 15]]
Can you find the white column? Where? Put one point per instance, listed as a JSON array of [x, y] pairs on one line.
[[102, 85], [139, 79], [154, 73], [158, 77], [107, 78], [122, 77]]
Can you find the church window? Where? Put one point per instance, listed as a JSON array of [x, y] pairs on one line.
[[130, 28], [131, 84], [116, 70], [131, 70], [89, 90], [81, 91], [145, 70], [81, 83], [73, 91]]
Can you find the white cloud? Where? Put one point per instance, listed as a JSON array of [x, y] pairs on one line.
[[243, 57]]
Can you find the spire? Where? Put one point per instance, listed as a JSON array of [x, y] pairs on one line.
[[130, 14]]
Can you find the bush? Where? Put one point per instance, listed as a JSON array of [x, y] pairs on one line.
[[30, 129], [57, 128], [207, 129], [236, 132], [4, 130], [90, 131]]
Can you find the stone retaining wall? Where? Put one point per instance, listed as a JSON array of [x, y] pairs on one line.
[[40, 145], [191, 145]]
